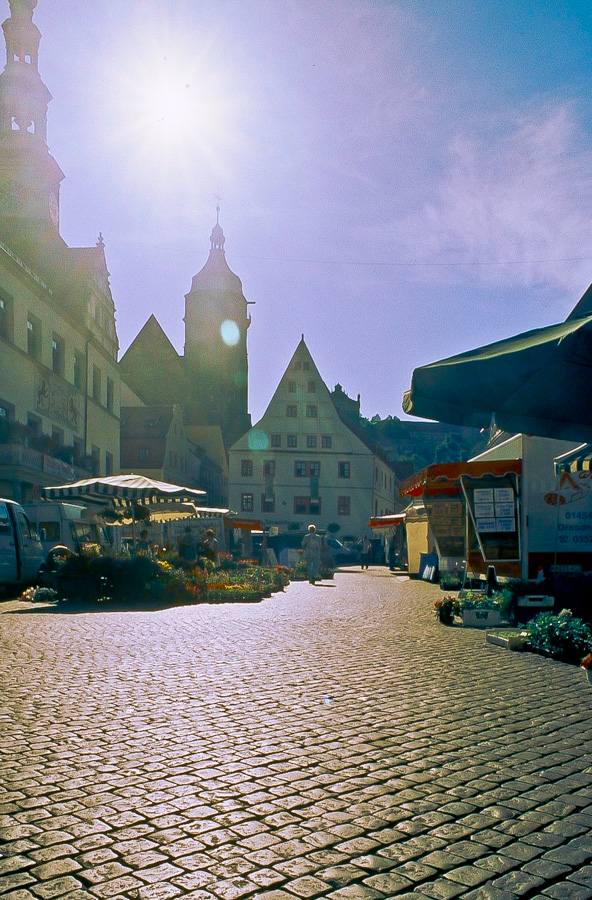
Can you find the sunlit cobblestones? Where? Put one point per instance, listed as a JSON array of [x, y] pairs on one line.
[[334, 741]]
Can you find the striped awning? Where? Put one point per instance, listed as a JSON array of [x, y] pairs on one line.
[[578, 460], [123, 491]]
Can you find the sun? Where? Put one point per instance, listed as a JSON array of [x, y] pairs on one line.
[[173, 105], [170, 109]]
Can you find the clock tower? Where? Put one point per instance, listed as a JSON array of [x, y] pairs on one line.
[[216, 323], [29, 176]]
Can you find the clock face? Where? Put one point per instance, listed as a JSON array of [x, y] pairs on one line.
[[53, 208]]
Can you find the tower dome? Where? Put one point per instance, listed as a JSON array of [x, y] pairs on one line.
[[216, 274]]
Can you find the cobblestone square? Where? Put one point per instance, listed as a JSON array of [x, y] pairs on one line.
[[333, 741]]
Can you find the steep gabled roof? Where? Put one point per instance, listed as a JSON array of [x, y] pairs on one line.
[[152, 367]]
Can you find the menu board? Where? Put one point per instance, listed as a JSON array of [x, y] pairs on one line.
[[492, 503]]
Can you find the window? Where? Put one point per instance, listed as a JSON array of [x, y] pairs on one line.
[[326, 442], [143, 454], [57, 354], [267, 504], [311, 440], [312, 387], [306, 365], [298, 366], [343, 506], [276, 440], [49, 531], [247, 502], [34, 336], [6, 411], [34, 424], [269, 467], [78, 448], [307, 506], [291, 410], [246, 468], [292, 440], [108, 463], [96, 384], [79, 369], [343, 470], [57, 436], [95, 460], [6, 318], [291, 386], [304, 469], [110, 394], [312, 411]]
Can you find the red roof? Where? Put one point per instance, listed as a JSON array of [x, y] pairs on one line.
[[441, 477]]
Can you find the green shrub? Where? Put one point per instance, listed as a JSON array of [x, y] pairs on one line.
[[562, 637], [449, 581]]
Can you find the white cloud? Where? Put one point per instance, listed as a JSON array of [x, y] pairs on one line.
[[518, 191]]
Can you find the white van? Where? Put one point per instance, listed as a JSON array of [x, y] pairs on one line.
[[67, 524], [21, 553]]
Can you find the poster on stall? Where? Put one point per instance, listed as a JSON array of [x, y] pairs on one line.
[[492, 506]]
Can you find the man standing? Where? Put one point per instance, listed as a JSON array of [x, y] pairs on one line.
[[366, 552], [311, 544]]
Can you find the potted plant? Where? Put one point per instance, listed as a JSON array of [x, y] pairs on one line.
[[586, 665], [563, 637], [445, 608], [478, 610]]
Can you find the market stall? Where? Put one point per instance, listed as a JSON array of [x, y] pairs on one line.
[[473, 513]]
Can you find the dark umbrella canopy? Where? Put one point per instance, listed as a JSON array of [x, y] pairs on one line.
[[539, 382]]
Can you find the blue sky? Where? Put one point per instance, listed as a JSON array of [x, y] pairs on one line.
[[399, 181]]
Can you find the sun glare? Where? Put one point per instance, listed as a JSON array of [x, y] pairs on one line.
[[172, 108]]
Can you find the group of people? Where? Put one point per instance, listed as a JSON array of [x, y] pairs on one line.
[[189, 549]]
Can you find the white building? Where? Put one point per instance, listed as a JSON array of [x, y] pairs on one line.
[[301, 463]]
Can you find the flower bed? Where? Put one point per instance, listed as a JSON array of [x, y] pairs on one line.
[[129, 582]]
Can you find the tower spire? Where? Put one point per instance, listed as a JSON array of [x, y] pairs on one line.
[[29, 176], [217, 239]]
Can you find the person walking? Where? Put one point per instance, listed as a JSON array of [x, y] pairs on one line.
[[311, 545], [366, 552], [211, 546]]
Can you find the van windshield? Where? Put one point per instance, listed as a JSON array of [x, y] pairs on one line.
[[5, 527]]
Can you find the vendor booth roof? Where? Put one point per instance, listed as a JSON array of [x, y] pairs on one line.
[[578, 460], [441, 477], [536, 383], [387, 521], [123, 490], [244, 524], [161, 512]]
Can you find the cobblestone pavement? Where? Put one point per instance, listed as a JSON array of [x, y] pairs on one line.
[[334, 741]]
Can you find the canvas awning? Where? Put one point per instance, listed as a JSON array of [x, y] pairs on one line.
[[389, 521], [536, 383], [244, 524], [442, 478], [123, 490], [578, 460]]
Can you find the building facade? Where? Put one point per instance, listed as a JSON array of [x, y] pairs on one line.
[[301, 463], [59, 378]]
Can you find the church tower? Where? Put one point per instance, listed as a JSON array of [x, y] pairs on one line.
[[216, 323], [29, 176]]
